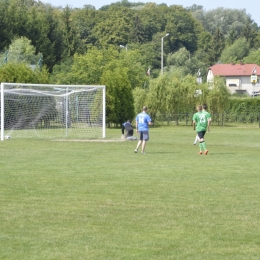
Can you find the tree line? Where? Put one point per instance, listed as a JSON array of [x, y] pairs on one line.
[[82, 46]]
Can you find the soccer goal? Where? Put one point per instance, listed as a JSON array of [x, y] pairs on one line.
[[52, 111]]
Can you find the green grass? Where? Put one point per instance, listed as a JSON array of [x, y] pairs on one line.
[[79, 200]]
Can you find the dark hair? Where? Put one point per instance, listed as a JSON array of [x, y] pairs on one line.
[[204, 106]]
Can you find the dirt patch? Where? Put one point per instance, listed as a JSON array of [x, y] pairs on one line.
[[91, 140]]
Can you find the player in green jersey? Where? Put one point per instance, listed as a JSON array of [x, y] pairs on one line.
[[204, 108], [201, 125]]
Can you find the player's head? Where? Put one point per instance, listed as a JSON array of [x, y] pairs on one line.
[[204, 106], [199, 108], [129, 121], [144, 108]]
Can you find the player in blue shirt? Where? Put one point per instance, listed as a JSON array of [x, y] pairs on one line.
[[143, 120]]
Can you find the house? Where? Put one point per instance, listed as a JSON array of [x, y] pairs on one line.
[[240, 78]]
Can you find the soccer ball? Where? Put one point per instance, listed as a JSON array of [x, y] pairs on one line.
[[7, 137]]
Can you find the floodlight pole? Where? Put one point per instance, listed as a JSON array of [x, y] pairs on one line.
[[162, 52]]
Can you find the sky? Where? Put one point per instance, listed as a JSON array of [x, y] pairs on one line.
[[252, 6]]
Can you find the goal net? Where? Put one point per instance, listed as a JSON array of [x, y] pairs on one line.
[[52, 111]]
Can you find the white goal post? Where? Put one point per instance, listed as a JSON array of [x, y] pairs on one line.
[[52, 111]]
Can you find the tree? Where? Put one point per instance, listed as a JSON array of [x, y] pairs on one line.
[[5, 28], [137, 32], [235, 52], [22, 50], [71, 36], [249, 33], [217, 45], [114, 28], [119, 91], [232, 36], [119, 72], [218, 96], [186, 63], [139, 95], [181, 27], [21, 73], [172, 93], [223, 18], [253, 57]]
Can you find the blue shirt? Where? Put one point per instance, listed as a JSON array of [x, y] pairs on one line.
[[142, 120]]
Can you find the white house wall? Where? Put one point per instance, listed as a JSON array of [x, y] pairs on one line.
[[245, 86]]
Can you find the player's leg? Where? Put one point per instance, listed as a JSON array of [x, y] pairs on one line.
[[139, 142], [202, 143], [201, 140], [145, 139], [143, 146], [196, 139]]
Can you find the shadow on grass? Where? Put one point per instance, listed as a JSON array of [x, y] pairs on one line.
[[161, 152], [220, 153]]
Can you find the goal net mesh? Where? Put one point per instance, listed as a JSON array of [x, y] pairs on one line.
[[53, 111]]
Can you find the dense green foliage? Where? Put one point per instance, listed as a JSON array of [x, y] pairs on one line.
[[175, 93], [244, 105], [22, 73], [60, 33], [82, 46]]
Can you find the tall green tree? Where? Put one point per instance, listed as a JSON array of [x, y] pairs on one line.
[[119, 72], [235, 52], [119, 91], [253, 57], [223, 18], [218, 96], [217, 45], [114, 28], [137, 32], [5, 27], [232, 36], [71, 37], [250, 33], [182, 29]]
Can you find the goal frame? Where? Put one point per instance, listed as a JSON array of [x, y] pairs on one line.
[[3, 84]]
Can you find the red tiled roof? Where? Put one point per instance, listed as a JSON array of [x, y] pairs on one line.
[[234, 70]]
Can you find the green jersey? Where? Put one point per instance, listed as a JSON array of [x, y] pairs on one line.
[[201, 119], [209, 116]]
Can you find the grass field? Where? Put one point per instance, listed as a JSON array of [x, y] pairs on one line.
[[80, 200]]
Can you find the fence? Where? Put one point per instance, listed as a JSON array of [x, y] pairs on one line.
[[32, 60], [223, 119]]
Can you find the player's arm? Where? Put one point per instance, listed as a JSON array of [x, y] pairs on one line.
[[194, 125], [136, 125], [149, 121]]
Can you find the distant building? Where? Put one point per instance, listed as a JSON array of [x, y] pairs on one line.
[[238, 77]]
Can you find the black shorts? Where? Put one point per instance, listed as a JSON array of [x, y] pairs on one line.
[[201, 134]]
